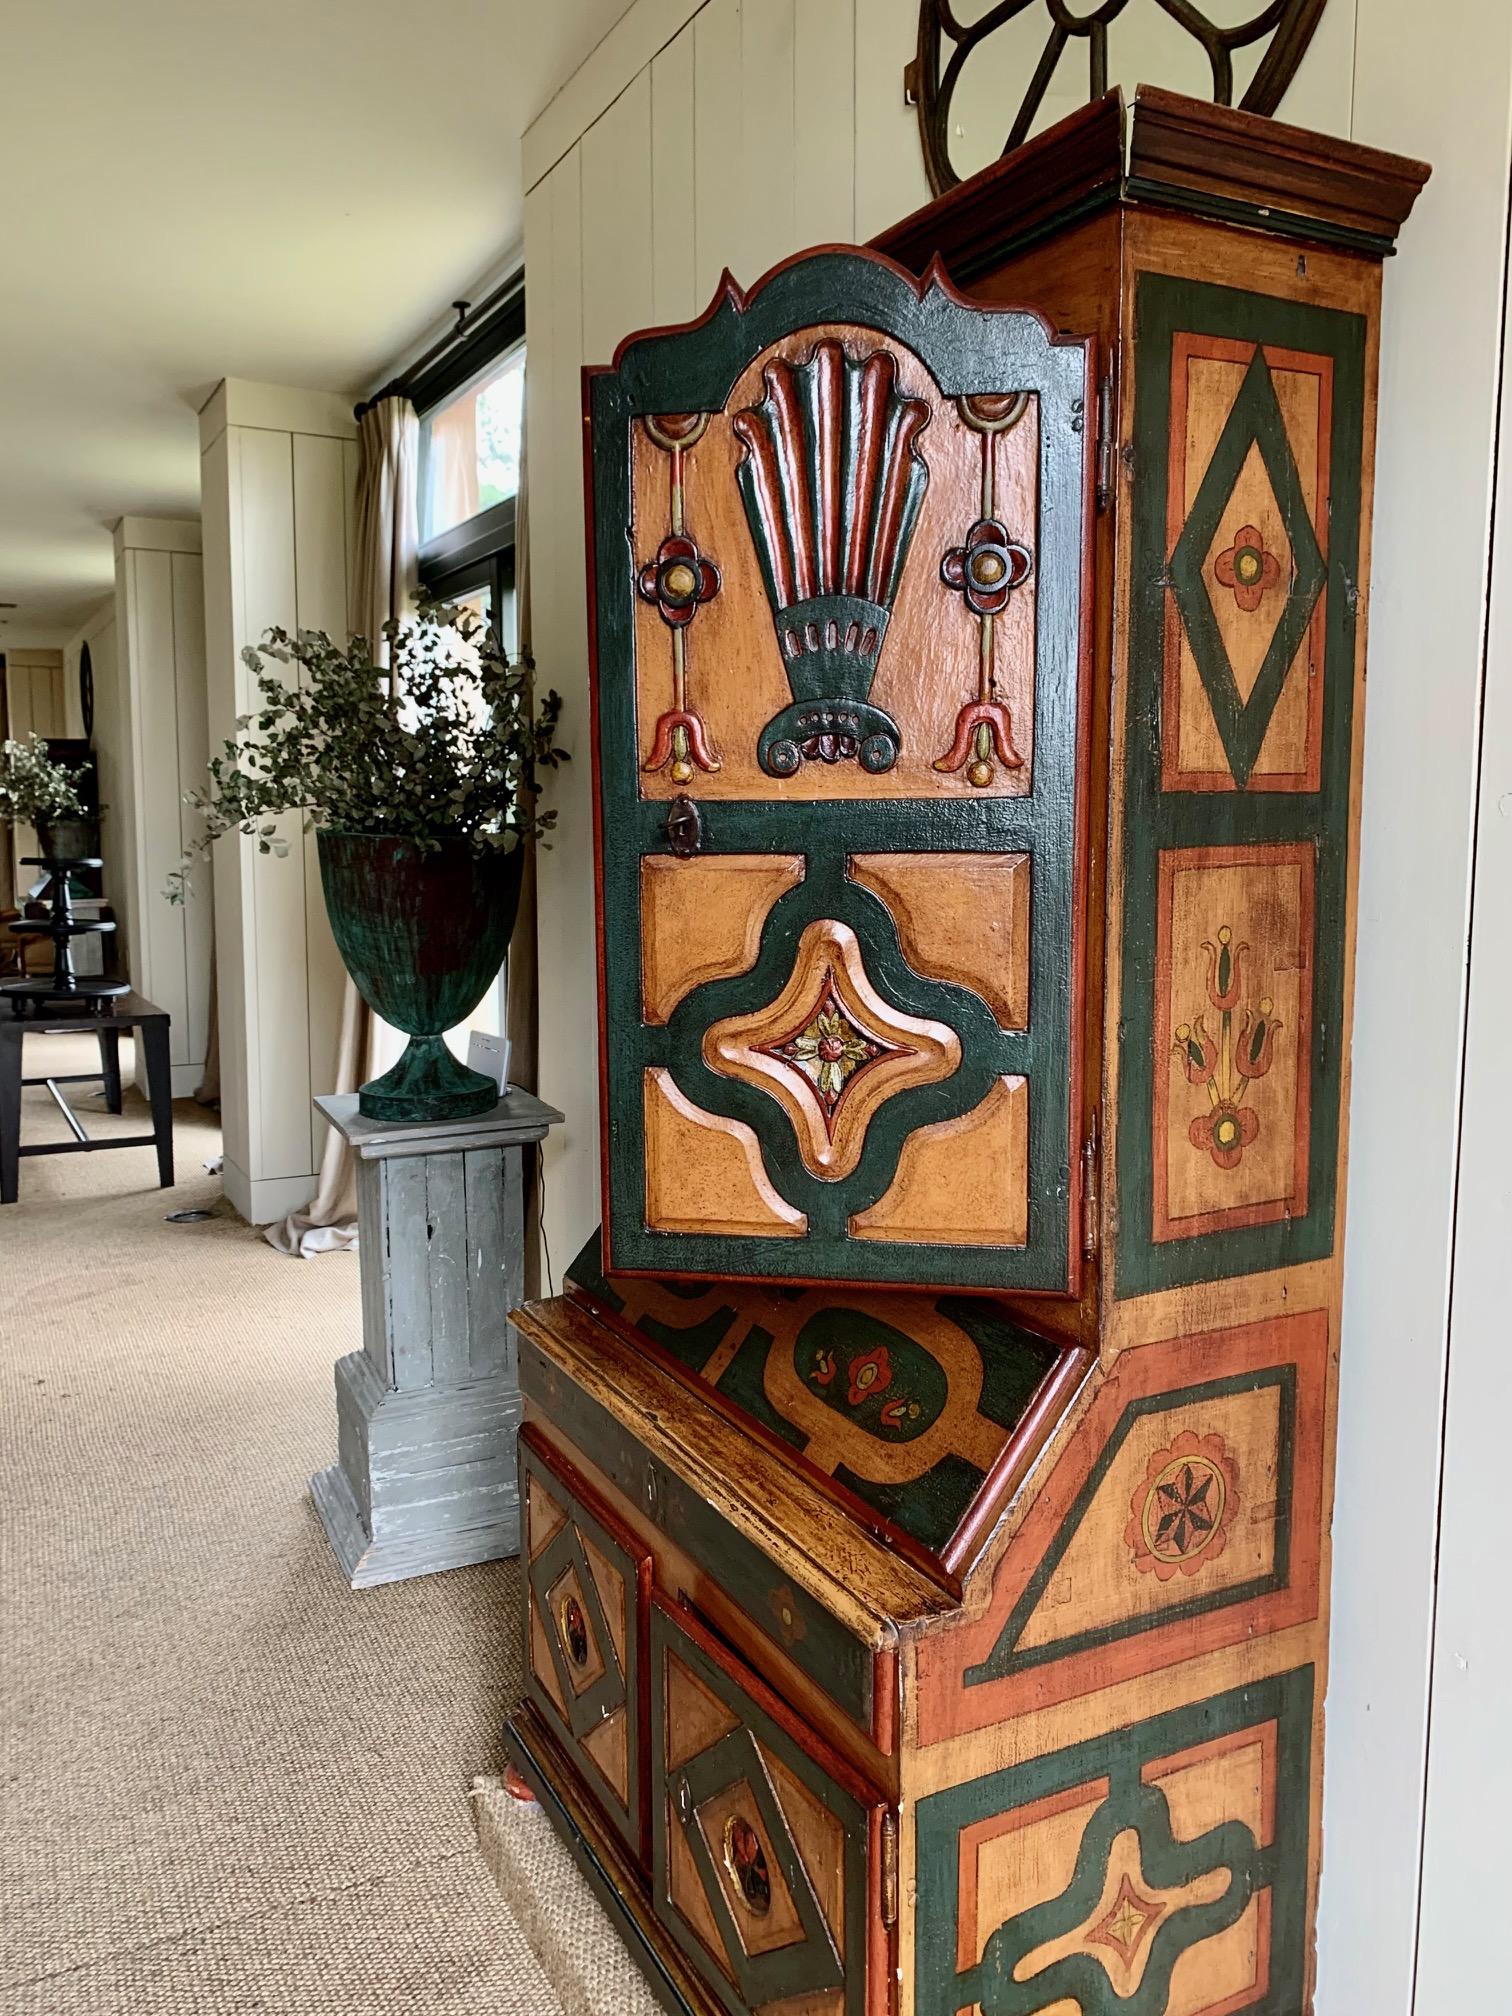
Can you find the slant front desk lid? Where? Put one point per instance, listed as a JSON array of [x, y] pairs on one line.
[[922, 1411]]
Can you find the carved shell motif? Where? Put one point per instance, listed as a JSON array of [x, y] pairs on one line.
[[833, 483]]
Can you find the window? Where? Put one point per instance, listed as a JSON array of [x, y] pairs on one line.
[[470, 448], [471, 403]]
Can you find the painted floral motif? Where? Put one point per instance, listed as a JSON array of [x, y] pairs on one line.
[[745, 1859], [875, 1377], [983, 729], [1184, 1507], [678, 580], [870, 1374], [987, 567], [681, 740], [830, 1049], [1247, 568], [1228, 1063]]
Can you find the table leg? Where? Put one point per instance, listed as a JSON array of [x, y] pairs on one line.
[[10, 1112], [153, 1036], [110, 1067]]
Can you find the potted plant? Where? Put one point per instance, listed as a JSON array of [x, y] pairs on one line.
[[36, 791], [418, 780]]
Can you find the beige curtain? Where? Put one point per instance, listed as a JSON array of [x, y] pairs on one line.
[[522, 1002], [386, 575]]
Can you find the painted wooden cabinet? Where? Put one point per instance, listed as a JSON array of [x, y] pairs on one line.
[[840, 672], [940, 1431]]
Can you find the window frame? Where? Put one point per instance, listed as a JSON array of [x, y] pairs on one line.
[[480, 552]]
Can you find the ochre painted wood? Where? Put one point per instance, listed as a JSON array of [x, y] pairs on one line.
[[961, 917], [961, 1182], [702, 920], [587, 1593], [704, 1172], [1058, 1641]]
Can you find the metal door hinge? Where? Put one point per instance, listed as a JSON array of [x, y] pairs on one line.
[[889, 1869], [1091, 1202], [1105, 442]]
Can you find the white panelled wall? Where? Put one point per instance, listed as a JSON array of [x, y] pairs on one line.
[[697, 138], [278, 481], [160, 632]]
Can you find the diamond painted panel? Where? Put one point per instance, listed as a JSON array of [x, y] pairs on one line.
[[1249, 436]]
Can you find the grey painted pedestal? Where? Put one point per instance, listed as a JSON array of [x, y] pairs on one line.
[[428, 1410]]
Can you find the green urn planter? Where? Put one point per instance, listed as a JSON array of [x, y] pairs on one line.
[[422, 935], [67, 836]]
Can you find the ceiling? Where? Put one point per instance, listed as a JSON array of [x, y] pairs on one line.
[[275, 190]]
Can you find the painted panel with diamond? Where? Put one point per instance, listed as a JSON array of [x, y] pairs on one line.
[[1247, 535], [1243, 664], [759, 1851], [586, 1587]]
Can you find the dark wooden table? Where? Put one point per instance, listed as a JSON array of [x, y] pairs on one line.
[[106, 1020]]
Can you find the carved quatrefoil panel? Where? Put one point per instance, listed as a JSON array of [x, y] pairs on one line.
[[831, 1050]]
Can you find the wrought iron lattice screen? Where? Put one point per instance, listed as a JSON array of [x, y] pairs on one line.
[[1079, 30]]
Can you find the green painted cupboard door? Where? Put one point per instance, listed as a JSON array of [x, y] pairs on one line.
[[839, 535]]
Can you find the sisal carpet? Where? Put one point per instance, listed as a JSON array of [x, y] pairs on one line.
[[227, 1784]]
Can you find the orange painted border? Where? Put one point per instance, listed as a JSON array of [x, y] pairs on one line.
[[1244, 1998], [949, 1708], [1260, 1734], [1173, 776], [1239, 1739], [973, 1839], [1304, 854]]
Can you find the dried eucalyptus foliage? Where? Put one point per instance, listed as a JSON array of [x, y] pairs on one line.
[[438, 745], [33, 786]]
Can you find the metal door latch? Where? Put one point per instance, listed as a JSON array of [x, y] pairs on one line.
[[684, 828]]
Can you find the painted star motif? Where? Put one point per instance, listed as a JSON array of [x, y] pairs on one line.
[[1125, 1926]]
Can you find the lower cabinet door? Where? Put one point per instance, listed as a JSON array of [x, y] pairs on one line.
[[588, 1580], [766, 1854]]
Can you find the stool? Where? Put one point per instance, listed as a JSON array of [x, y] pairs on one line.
[[107, 1019]]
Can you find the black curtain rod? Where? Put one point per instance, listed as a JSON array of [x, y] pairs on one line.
[[466, 324]]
